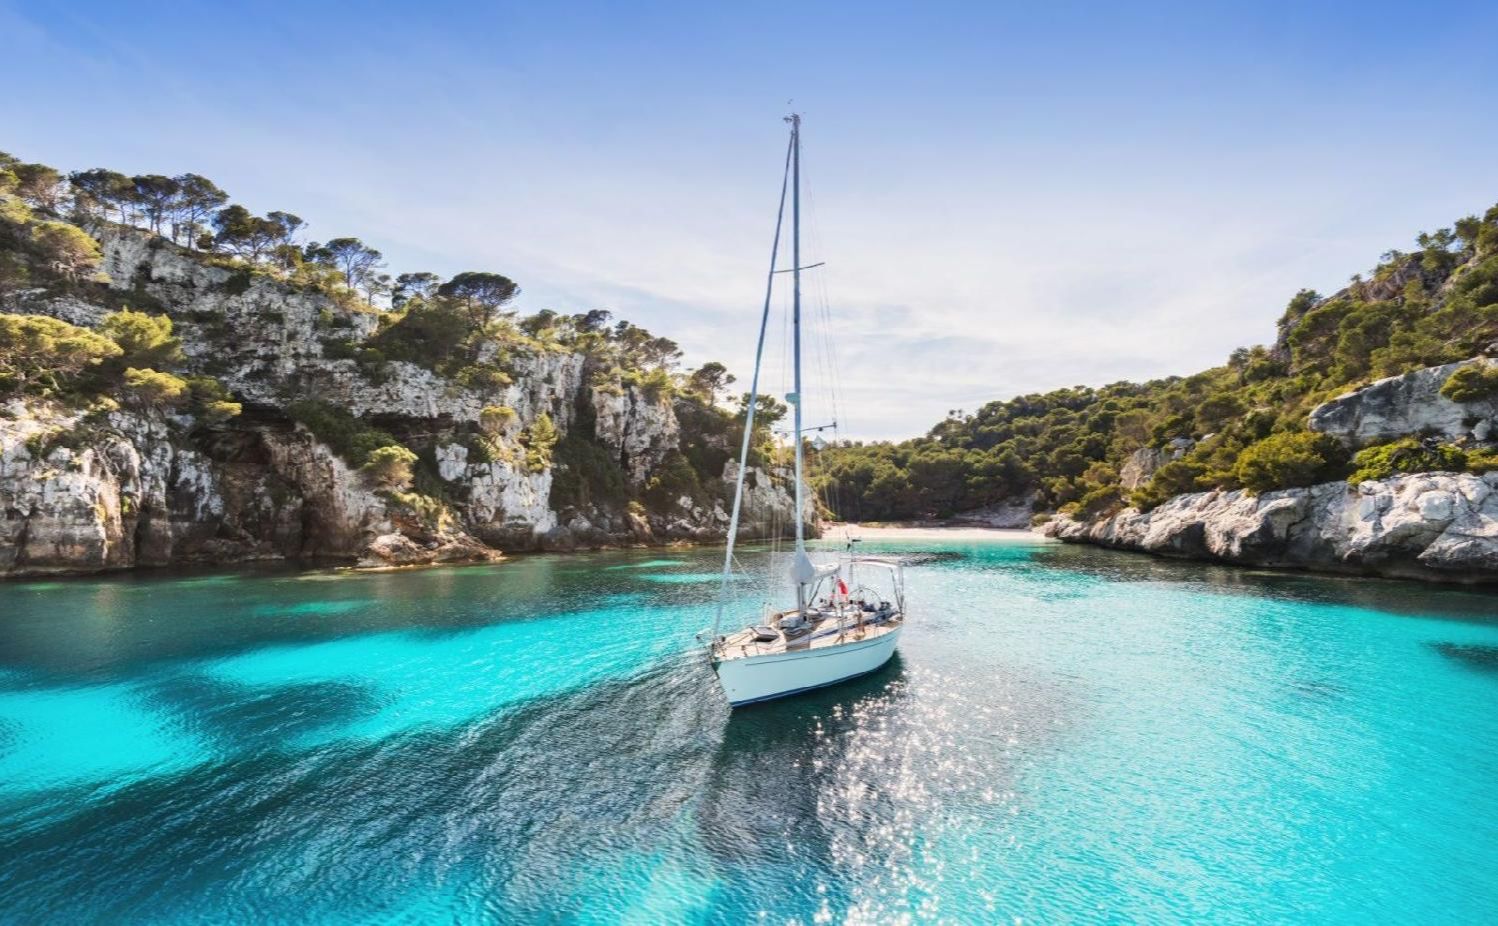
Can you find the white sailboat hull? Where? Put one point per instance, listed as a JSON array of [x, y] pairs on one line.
[[778, 675]]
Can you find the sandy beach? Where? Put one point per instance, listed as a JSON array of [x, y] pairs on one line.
[[932, 532]]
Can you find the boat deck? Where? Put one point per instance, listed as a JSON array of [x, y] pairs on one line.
[[827, 629]]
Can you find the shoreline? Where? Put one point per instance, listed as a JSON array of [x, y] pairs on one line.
[[872, 531], [1436, 528], [934, 530]]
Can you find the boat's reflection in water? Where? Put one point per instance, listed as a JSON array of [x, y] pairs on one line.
[[776, 789], [835, 794]]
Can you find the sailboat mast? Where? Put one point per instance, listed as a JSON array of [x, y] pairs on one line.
[[796, 347], [796, 311]]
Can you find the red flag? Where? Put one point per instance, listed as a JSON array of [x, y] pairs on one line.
[[842, 587]]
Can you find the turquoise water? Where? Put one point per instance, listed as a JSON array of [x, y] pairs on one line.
[[1067, 735]]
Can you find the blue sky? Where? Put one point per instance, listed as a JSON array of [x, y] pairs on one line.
[[1010, 197]]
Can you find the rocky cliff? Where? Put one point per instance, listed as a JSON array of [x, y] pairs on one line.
[[1441, 526], [1427, 525], [1411, 404], [119, 486]]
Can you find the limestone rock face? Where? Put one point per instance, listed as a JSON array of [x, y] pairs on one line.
[[132, 488], [127, 489], [639, 430], [342, 512], [1140, 467], [768, 500], [1441, 526], [80, 494], [1179, 447], [256, 334], [549, 383], [1411, 404], [508, 505]]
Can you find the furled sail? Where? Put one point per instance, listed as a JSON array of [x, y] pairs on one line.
[[805, 572]]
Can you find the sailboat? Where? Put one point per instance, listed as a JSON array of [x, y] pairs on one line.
[[848, 613]]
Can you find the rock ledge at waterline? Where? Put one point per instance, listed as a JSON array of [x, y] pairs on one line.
[[1434, 526]]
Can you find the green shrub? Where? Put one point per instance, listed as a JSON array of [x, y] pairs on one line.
[[370, 360], [1098, 502], [349, 437], [673, 479], [145, 340], [431, 335], [42, 443], [1282, 461], [495, 419], [66, 249], [152, 388], [707, 434], [482, 376], [538, 440], [339, 349], [13, 210], [1060, 491], [1408, 455], [1216, 410], [42, 354], [1099, 474], [485, 449], [219, 412], [586, 474], [1475, 383], [390, 465], [1482, 461], [1258, 423], [655, 384], [1174, 478], [1169, 429], [607, 380], [430, 510], [239, 282], [211, 402]]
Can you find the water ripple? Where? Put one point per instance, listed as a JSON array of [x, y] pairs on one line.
[[1064, 737]]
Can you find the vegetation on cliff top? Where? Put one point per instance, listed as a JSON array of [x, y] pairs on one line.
[[462, 328], [128, 358], [1239, 425]]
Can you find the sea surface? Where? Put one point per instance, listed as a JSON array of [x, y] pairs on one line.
[[1066, 735]]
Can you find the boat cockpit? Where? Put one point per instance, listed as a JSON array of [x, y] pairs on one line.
[[843, 600]]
